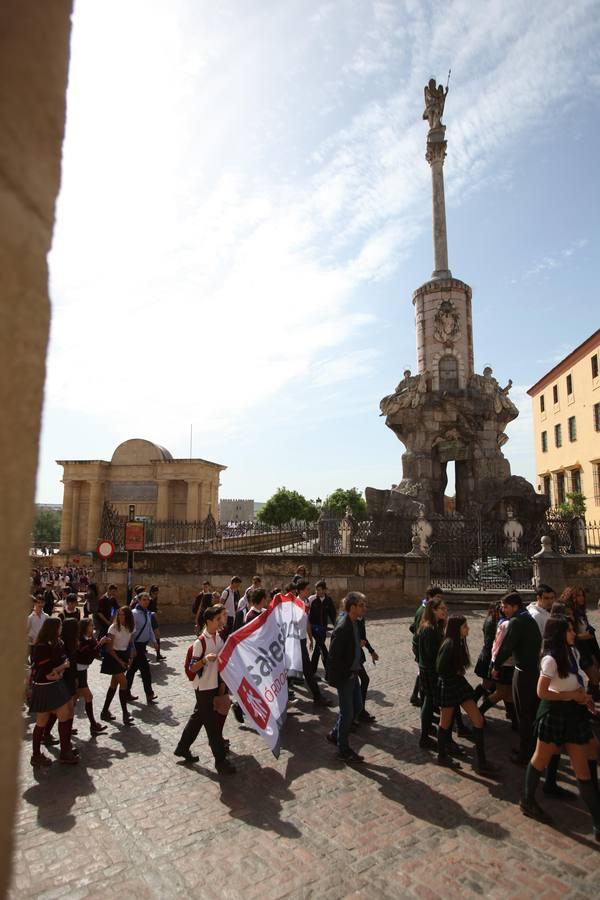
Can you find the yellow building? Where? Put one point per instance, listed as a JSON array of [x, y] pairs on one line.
[[140, 473], [566, 419]]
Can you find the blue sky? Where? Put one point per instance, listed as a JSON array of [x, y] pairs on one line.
[[245, 213]]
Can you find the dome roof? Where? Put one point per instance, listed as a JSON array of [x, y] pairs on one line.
[[137, 451]]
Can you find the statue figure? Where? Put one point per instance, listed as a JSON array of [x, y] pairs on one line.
[[446, 323], [418, 397], [435, 100]]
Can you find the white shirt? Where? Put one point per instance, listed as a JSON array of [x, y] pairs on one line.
[[120, 639], [559, 685], [207, 678], [540, 615], [228, 599], [34, 624]]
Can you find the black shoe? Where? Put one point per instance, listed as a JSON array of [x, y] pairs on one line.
[[185, 755], [130, 697], [331, 738], [427, 743], [447, 763], [49, 740], [107, 716], [555, 790], [128, 720], [416, 702], [364, 716], [484, 768], [237, 713], [322, 701], [455, 749], [151, 700], [225, 768], [160, 657], [533, 810], [350, 757]]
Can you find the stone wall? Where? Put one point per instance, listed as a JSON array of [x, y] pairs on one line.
[[388, 581], [562, 570]]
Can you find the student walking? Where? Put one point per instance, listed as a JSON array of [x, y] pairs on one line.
[[116, 661]]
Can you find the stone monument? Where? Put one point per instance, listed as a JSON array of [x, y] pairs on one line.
[[447, 412]]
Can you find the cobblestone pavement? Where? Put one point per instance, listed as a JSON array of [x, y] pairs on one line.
[[130, 820]]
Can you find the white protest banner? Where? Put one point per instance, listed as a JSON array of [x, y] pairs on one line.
[[256, 660]]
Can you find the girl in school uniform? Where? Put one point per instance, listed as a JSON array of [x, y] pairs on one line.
[[87, 652], [563, 720], [430, 634], [50, 695], [454, 690], [116, 661]]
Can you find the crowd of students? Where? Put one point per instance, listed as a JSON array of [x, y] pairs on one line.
[[542, 661]]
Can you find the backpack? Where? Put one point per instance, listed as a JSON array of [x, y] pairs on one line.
[[188, 659]]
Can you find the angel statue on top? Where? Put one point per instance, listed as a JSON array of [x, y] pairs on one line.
[[435, 100]]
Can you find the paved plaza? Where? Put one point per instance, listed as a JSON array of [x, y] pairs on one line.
[[132, 821]]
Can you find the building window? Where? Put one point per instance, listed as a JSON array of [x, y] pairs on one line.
[[542, 404], [597, 416], [557, 436], [448, 373], [596, 471], [569, 384], [548, 488], [572, 429], [576, 481], [555, 393], [544, 441], [595, 365], [560, 487]]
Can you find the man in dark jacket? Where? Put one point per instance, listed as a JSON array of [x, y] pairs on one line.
[[343, 666], [522, 641], [322, 608]]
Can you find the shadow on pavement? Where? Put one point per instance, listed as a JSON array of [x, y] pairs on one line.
[[255, 796]]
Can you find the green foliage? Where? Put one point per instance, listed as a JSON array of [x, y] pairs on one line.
[[341, 498], [573, 506], [287, 506], [46, 527]]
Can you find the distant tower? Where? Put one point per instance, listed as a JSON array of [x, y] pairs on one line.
[[447, 413]]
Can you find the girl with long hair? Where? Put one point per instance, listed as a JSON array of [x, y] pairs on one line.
[[116, 662], [50, 694], [585, 637], [454, 690], [430, 634], [86, 654], [563, 720]]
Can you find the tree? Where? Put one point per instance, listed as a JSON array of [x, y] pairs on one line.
[[46, 527], [341, 498], [573, 506], [287, 506]]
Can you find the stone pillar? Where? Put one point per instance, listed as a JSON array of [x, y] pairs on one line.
[[548, 567], [94, 515], [214, 498], [191, 513], [75, 517], [436, 153], [34, 53], [162, 503], [67, 513]]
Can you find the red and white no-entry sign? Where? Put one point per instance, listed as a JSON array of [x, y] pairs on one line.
[[105, 549]]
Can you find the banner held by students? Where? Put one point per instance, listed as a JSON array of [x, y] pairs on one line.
[[255, 663]]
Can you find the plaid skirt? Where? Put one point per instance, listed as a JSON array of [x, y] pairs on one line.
[[563, 723], [453, 691], [48, 696], [110, 666]]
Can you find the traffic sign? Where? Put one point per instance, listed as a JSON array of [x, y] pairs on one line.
[[105, 549]]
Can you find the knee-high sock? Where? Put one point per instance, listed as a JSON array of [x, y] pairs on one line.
[[49, 725], [532, 779], [442, 738], [89, 709], [157, 647], [416, 690], [590, 797], [109, 698], [38, 733], [593, 767], [487, 704], [64, 729], [123, 698], [479, 746], [551, 771]]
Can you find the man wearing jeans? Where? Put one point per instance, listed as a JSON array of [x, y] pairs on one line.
[[343, 665]]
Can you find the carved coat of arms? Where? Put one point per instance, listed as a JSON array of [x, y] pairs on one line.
[[446, 325]]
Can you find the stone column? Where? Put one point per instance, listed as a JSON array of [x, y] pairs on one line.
[[75, 516], [191, 513], [67, 513], [436, 153], [162, 503], [34, 54], [94, 515]]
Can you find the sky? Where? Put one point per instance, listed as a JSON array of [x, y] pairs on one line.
[[245, 212]]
